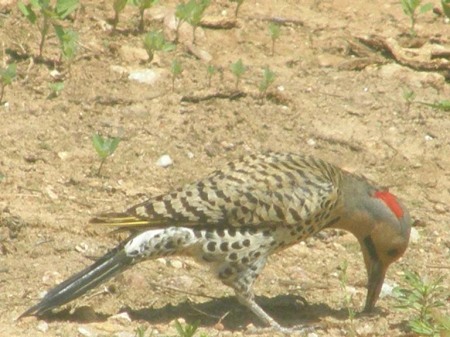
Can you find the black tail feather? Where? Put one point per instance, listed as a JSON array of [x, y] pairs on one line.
[[106, 267]]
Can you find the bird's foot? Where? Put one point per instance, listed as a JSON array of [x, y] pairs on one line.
[[297, 330]]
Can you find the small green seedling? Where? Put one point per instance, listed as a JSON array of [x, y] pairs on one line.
[[210, 72], [424, 298], [142, 5], [154, 41], [274, 32], [446, 7], [105, 147], [182, 13], [238, 6], [443, 105], [140, 331], [50, 15], [191, 12], [68, 41], [409, 96], [410, 7], [56, 88], [198, 8], [238, 69], [266, 82], [176, 69], [7, 76], [118, 6], [188, 330]]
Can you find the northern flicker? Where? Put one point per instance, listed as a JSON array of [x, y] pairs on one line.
[[236, 217]]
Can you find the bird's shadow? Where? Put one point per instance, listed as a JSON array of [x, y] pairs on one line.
[[288, 310]]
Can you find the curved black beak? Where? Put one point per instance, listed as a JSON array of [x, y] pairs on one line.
[[376, 273]]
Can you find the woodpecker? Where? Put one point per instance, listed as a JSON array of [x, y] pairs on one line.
[[236, 217]]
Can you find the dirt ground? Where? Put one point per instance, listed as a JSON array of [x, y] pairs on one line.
[[338, 95]]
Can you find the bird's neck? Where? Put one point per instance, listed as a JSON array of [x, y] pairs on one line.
[[355, 199]]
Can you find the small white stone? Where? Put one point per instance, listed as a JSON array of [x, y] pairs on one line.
[[414, 236], [387, 288], [42, 326], [124, 334], [86, 332], [311, 142], [123, 317], [280, 88], [312, 334], [428, 138], [81, 248], [147, 76], [51, 194], [164, 161], [177, 264], [55, 74], [190, 155], [63, 155]]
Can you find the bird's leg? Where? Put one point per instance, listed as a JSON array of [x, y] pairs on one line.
[[249, 301]]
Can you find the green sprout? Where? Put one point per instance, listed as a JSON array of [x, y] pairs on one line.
[[140, 331], [142, 5], [409, 96], [182, 13], [7, 75], [49, 15], [443, 105], [154, 41], [191, 12], [238, 69], [105, 147], [188, 330], [410, 7], [118, 6], [266, 82], [424, 298], [210, 72], [446, 7], [68, 41], [274, 32], [238, 5], [56, 88], [198, 8], [176, 69]]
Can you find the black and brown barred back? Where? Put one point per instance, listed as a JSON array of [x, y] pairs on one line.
[[264, 189]]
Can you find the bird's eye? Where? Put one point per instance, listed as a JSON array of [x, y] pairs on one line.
[[392, 252]]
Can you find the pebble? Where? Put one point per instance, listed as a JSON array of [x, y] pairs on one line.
[[123, 317], [125, 334], [42, 326], [311, 142], [414, 236], [50, 193], [164, 161], [63, 155], [440, 208], [146, 76], [86, 332], [387, 288], [177, 264], [312, 334]]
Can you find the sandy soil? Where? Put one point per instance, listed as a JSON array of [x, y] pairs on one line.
[[334, 97]]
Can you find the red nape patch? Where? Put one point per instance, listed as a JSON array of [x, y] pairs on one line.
[[391, 201]]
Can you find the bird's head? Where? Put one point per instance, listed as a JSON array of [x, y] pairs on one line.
[[382, 226]]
